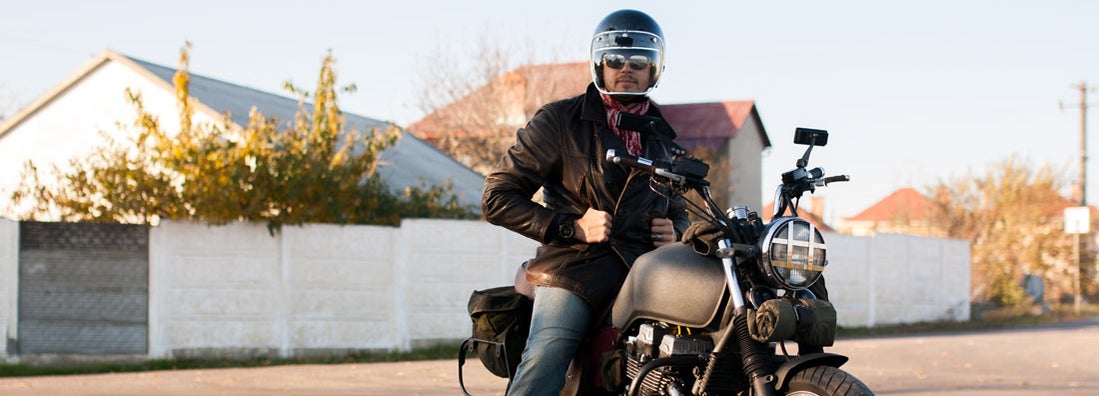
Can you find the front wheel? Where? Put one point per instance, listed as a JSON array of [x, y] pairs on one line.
[[825, 381]]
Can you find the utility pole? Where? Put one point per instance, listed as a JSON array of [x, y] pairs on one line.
[[1083, 87], [1081, 189]]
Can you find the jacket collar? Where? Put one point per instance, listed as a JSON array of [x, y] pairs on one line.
[[593, 109]]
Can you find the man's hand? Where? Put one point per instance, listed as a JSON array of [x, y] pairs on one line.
[[663, 232], [594, 227]]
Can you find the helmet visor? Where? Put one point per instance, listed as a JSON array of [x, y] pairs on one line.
[[634, 49], [627, 39]]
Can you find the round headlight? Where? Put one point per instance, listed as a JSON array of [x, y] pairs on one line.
[[794, 253]]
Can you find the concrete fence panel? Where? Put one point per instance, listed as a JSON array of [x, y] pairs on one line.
[[83, 288], [892, 279], [215, 290], [342, 287], [9, 288], [848, 277], [446, 261], [238, 290]]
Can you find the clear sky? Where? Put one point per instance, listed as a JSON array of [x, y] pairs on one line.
[[912, 92]]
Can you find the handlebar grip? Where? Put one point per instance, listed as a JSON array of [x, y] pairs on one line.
[[629, 160], [834, 179]]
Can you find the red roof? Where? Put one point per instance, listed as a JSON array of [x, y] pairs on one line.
[[521, 90], [815, 218], [709, 124], [906, 203], [1057, 209], [696, 124]]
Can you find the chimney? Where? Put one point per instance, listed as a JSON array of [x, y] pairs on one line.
[[817, 205]]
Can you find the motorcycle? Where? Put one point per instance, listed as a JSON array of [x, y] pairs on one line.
[[717, 323], [712, 317]]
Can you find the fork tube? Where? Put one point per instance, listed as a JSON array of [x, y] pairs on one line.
[[728, 264]]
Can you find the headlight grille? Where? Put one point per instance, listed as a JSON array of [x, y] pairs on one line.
[[794, 253]]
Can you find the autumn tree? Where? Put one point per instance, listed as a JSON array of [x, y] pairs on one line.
[[1011, 215], [315, 170], [474, 102]]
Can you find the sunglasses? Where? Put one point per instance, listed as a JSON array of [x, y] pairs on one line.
[[617, 61]]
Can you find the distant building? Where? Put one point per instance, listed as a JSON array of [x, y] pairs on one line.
[[813, 212], [67, 122], [729, 135], [905, 211]]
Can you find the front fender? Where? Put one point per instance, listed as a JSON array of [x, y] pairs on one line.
[[791, 367]]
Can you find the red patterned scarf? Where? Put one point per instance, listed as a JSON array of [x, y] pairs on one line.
[[631, 138]]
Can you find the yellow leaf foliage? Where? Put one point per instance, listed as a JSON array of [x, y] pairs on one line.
[[316, 170]]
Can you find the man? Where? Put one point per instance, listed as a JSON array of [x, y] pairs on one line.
[[598, 217]]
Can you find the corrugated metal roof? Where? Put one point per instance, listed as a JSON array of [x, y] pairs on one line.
[[409, 163]]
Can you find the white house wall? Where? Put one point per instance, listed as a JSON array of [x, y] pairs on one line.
[[69, 126]]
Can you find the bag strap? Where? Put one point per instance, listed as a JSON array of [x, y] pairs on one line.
[[467, 346], [462, 361]]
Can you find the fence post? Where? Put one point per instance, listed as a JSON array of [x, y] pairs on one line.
[[9, 290], [400, 273], [871, 282]]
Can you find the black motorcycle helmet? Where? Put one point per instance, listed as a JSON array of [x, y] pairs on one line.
[[627, 36]]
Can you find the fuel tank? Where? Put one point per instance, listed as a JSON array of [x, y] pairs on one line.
[[671, 284]]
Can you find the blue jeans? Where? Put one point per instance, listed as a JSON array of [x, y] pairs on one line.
[[557, 326]]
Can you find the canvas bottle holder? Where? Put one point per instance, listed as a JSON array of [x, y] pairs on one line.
[[501, 323], [808, 321]]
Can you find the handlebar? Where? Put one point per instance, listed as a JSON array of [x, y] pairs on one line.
[[833, 179], [659, 168], [629, 160], [689, 173]]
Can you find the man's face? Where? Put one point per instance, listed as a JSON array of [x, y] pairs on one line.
[[626, 78]]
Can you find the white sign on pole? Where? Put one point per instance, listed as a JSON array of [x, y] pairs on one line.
[[1077, 220]]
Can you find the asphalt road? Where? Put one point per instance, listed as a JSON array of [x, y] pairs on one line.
[[1060, 359]]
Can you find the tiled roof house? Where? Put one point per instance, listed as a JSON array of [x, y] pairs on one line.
[[729, 134], [904, 211], [908, 211], [814, 213]]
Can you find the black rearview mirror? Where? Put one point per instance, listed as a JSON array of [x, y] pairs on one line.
[[816, 137]]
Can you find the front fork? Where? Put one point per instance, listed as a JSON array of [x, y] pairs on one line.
[[754, 354]]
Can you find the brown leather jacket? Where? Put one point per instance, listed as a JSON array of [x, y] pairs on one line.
[[562, 149]]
